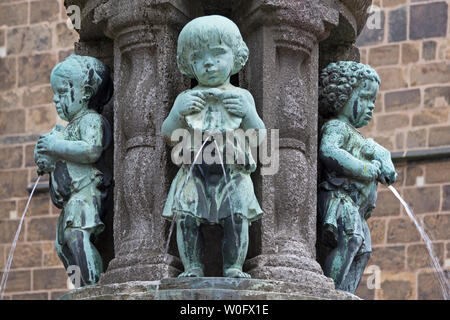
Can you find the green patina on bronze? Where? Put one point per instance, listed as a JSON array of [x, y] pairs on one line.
[[211, 49], [352, 166], [73, 156]]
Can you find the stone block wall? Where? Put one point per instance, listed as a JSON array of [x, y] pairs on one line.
[[33, 38], [411, 53]]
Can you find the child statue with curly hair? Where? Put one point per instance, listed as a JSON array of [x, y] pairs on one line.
[[211, 49], [73, 156], [351, 168]]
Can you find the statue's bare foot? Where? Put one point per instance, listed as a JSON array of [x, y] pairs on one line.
[[235, 273], [194, 272]]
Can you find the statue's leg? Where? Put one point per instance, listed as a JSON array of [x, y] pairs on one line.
[[190, 245], [337, 264], [351, 281], [85, 254], [234, 250]]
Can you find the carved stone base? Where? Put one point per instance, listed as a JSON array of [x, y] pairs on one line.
[[135, 268], [208, 289]]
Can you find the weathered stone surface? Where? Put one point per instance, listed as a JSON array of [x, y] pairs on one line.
[[429, 50], [40, 119], [9, 100], [13, 14], [44, 279], [392, 3], [437, 97], [384, 55], [428, 20], [34, 70], [392, 121], [12, 121], [377, 230], [30, 296], [401, 230], [436, 72], [206, 289], [398, 286], [439, 136], [64, 36], [412, 172], [397, 24], [387, 205], [11, 157], [5, 208], [37, 96], [13, 184], [388, 258], [7, 73], [418, 256], [44, 10], [55, 295], [402, 100], [430, 116], [38, 207], [446, 199], [27, 255], [416, 138], [410, 52], [438, 226], [50, 257], [18, 281], [393, 78], [41, 229], [428, 286], [28, 39], [399, 140], [363, 291], [438, 172], [423, 200], [372, 36]]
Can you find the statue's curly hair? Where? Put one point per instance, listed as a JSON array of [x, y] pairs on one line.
[[201, 30], [337, 82]]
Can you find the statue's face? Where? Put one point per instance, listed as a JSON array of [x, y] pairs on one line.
[[212, 64], [359, 109], [68, 97]]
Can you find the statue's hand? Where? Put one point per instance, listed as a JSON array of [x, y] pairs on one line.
[[235, 104], [193, 102], [372, 170], [46, 143]]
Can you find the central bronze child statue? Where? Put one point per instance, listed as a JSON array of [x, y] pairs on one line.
[[210, 50], [74, 157], [352, 167]]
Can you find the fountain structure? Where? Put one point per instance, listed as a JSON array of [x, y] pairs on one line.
[[289, 41]]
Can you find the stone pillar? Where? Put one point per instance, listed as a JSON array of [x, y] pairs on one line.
[[282, 74], [146, 83]]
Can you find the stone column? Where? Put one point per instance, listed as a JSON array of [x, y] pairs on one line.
[[282, 74], [146, 83]]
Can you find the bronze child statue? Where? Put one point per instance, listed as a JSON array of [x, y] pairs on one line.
[[352, 167], [72, 155], [211, 49]]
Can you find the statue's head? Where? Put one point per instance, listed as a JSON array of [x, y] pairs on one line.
[[211, 49], [347, 90], [80, 82]]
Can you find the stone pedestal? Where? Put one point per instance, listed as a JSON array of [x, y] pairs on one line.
[[287, 39], [208, 289]]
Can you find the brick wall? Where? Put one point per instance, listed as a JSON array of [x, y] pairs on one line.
[[411, 53], [33, 38]]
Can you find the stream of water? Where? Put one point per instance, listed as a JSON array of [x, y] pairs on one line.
[[445, 286], [14, 243]]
